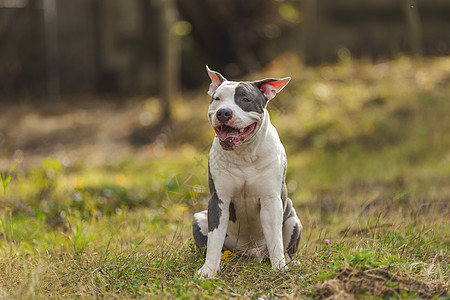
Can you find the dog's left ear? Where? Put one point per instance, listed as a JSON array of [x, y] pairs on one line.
[[270, 87], [216, 80]]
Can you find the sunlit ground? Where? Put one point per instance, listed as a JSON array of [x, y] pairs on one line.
[[101, 200]]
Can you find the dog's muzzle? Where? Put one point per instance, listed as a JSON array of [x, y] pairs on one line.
[[230, 137]]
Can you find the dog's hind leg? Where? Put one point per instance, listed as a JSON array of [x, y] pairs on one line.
[[292, 232], [200, 229]]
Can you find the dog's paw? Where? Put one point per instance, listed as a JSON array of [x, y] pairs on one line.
[[280, 265], [294, 262], [206, 272], [281, 268]]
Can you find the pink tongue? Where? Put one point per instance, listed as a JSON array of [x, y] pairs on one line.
[[225, 135]]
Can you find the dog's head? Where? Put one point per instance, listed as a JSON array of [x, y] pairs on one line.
[[236, 110]]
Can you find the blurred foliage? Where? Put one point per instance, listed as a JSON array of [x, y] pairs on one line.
[[5, 177], [369, 171], [369, 130], [52, 192]]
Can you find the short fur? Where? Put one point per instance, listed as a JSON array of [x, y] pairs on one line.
[[249, 212]]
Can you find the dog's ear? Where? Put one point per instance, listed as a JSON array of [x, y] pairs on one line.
[[216, 80], [270, 87]]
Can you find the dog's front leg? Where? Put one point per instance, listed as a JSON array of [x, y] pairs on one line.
[[218, 214], [271, 215]]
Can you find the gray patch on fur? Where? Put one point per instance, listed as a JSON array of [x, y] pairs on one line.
[[248, 90], [200, 240], [284, 191], [214, 210], [295, 239], [288, 210], [232, 213], [212, 187]]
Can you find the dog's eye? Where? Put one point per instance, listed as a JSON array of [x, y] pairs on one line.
[[217, 99], [245, 100]]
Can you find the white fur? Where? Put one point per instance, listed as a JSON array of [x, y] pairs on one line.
[[240, 119], [250, 176]]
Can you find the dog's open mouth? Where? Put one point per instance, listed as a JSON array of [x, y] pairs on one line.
[[230, 137]]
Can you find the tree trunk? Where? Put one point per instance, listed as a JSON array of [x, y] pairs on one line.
[[414, 26], [170, 58], [52, 49], [310, 31]]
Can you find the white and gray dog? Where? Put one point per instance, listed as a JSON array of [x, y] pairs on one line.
[[249, 212]]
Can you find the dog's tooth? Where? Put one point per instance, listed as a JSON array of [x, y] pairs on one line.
[[242, 130]]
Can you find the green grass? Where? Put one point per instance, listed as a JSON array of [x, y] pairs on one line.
[[369, 173]]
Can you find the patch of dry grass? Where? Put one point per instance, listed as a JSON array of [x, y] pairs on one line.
[[107, 215]]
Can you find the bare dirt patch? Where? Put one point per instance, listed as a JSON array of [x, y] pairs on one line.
[[88, 129], [352, 283]]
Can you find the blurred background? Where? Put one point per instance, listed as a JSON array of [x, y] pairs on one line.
[[104, 101], [104, 139], [50, 48]]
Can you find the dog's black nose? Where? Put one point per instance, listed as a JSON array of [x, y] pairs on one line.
[[224, 114]]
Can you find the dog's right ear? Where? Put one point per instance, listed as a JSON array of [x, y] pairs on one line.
[[216, 80]]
